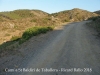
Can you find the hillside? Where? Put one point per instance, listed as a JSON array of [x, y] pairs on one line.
[[97, 12], [14, 23], [75, 14]]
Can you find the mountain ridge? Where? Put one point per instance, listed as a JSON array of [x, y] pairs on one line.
[[14, 23]]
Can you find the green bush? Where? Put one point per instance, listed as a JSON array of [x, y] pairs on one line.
[[15, 38], [33, 32]]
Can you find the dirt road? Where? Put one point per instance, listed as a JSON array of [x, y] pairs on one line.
[[72, 49]]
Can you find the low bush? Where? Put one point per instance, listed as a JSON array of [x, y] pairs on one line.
[[33, 32], [15, 38]]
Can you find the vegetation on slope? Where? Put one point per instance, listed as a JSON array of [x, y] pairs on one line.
[[95, 23], [16, 22], [20, 14], [74, 15], [16, 40], [34, 31]]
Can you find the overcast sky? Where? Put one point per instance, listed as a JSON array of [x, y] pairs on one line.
[[50, 6]]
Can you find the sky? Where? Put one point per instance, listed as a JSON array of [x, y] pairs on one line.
[[49, 6]]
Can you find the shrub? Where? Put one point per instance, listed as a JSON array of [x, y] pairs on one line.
[[33, 32], [15, 38]]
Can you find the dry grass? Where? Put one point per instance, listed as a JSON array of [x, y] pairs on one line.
[[16, 22]]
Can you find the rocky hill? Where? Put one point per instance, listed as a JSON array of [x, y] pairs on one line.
[[75, 14], [14, 23]]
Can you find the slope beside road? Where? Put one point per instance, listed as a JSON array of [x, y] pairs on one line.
[[72, 49]]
